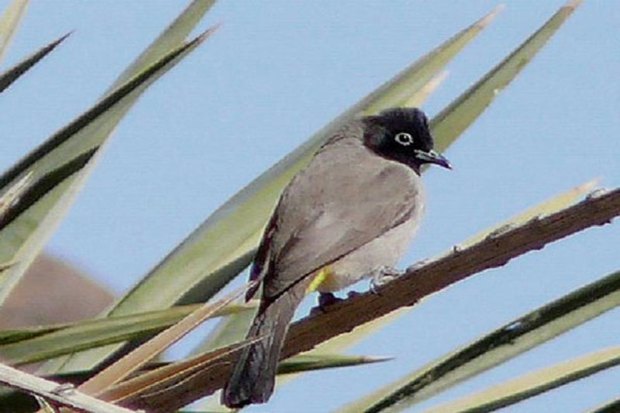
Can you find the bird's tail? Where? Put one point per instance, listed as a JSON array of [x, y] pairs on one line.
[[253, 377]]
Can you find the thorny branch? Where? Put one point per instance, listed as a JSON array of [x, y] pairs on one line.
[[494, 251]]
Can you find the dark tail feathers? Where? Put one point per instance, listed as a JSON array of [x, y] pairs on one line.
[[253, 377]]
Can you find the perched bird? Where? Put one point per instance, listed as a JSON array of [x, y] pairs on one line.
[[349, 214]]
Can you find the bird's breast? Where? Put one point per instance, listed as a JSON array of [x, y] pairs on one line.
[[383, 251]]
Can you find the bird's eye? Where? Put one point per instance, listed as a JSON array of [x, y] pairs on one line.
[[404, 138]]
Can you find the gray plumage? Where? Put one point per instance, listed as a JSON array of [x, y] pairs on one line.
[[353, 209]]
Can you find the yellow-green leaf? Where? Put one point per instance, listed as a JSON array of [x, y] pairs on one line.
[[13, 194], [11, 75], [418, 98], [173, 36], [397, 92], [609, 407], [146, 352], [532, 384], [9, 22], [227, 331], [304, 363], [34, 344], [312, 362], [22, 237], [496, 347], [166, 377], [451, 122], [550, 206], [141, 323]]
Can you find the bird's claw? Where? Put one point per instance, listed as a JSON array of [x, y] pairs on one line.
[[325, 300], [383, 276], [417, 265], [353, 294]]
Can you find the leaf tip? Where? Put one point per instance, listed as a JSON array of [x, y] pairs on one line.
[[486, 20], [51, 46], [65, 36], [438, 79], [207, 33], [377, 359], [429, 88], [589, 186], [573, 4]]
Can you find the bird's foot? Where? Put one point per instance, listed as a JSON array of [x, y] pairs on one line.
[[383, 276], [325, 300], [353, 294]]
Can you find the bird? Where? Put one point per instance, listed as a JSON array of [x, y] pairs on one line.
[[349, 214]]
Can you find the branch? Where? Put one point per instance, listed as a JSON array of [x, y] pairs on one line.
[[494, 251], [56, 394]]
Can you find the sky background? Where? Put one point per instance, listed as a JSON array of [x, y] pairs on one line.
[[275, 73]]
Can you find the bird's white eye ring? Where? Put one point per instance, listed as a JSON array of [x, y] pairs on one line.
[[404, 138]]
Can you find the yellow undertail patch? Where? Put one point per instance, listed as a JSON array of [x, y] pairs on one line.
[[319, 279]]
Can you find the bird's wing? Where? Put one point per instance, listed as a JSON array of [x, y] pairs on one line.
[[345, 198], [262, 258]]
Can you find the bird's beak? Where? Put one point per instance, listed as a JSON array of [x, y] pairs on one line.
[[432, 157]]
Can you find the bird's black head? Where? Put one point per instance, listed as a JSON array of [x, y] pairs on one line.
[[402, 135]]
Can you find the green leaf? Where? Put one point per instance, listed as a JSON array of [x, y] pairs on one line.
[[612, 406], [71, 149], [34, 344], [37, 189], [227, 331], [14, 73], [14, 193], [171, 38], [147, 351], [532, 384], [550, 206], [169, 376], [398, 91], [303, 363], [311, 362], [21, 240], [417, 99], [8, 202], [9, 21], [147, 320], [451, 122], [496, 347], [60, 166]]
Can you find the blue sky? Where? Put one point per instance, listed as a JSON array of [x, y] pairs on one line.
[[275, 73]]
